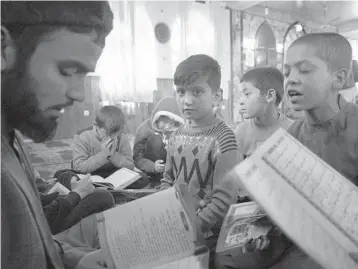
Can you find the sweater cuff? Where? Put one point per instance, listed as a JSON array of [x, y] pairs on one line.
[[73, 198]]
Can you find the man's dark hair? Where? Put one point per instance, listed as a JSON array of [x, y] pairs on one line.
[[198, 66], [264, 79], [29, 21]]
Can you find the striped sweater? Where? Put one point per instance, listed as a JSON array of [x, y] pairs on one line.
[[201, 157]]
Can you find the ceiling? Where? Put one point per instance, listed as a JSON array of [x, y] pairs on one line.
[[340, 14]]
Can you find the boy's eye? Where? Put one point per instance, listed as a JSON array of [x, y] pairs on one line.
[[304, 71], [196, 92], [180, 92], [247, 93]]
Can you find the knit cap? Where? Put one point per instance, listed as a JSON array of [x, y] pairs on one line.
[[96, 14]]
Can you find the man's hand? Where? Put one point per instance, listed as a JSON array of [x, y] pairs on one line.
[[159, 166], [92, 260], [107, 145], [83, 186]]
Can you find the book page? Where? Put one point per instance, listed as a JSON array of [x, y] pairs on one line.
[[191, 262], [58, 187], [307, 198], [122, 178], [147, 232]]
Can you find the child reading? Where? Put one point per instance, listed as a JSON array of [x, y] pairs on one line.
[[261, 93], [149, 151], [315, 70], [203, 150], [104, 149]]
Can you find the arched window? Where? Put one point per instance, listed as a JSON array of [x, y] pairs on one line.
[[294, 31], [265, 46]]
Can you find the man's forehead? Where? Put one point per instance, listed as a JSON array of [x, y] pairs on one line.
[[67, 45]]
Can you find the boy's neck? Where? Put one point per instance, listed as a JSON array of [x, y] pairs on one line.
[[271, 117], [325, 112], [210, 118]]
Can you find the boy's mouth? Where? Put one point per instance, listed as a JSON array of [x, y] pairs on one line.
[[293, 93]]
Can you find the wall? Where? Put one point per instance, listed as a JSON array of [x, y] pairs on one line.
[[245, 25]]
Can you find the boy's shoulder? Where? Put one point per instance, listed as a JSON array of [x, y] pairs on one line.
[[242, 128], [225, 137]]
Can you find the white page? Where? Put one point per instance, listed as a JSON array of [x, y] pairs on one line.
[[303, 195], [58, 187], [147, 232], [122, 178], [191, 262]]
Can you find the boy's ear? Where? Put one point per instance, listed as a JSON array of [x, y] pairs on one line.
[[340, 78], [8, 50], [271, 96], [218, 95]]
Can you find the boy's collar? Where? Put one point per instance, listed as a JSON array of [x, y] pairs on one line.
[[338, 120]]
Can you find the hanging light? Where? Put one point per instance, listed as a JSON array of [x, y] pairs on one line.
[[298, 27], [266, 11]]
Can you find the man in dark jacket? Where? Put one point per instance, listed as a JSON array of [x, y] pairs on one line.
[[149, 152], [47, 48]]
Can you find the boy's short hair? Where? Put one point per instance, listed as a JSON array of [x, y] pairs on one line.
[[111, 118], [197, 66], [266, 78], [334, 49]]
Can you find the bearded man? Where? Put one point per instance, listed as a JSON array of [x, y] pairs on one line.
[[47, 48]]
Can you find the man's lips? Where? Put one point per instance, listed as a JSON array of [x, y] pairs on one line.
[[57, 110]]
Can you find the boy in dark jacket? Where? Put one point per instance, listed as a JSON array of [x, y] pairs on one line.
[[149, 152]]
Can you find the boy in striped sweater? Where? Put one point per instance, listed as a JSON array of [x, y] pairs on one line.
[[203, 150]]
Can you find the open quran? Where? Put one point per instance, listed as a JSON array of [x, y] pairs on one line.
[[311, 202], [154, 232]]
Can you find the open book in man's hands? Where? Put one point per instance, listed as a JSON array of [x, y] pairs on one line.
[[157, 231], [311, 202]]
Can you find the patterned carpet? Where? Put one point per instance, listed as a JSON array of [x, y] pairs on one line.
[[51, 156]]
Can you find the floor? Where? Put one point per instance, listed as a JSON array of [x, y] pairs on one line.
[[51, 156]]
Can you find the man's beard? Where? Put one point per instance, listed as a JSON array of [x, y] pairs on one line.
[[21, 107]]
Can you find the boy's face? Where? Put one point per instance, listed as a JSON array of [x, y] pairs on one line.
[[165, 124], [251, 101], [308, 81], [103, 134], [196, 99]]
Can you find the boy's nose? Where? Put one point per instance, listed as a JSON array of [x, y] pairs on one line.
[[188, 99]]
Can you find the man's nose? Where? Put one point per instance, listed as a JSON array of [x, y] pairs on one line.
[[76, 94]]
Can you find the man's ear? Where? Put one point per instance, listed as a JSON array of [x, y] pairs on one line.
[[340, 78], [8, 50], [271, 96]]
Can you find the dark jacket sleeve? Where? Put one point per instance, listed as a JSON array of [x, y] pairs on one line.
[[57, 211], [140, 140]]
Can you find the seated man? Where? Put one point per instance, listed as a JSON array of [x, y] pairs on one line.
[[149, 152], [62, 212], [104, 149]]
